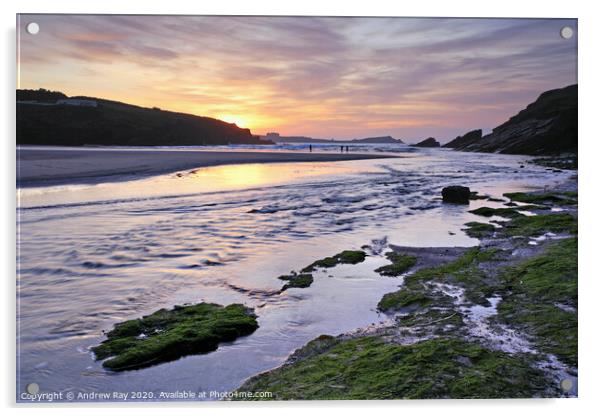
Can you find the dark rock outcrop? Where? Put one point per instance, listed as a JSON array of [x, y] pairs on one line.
[[456, 194], [463, 141], [430, 142], [42, 120], [547, 126]]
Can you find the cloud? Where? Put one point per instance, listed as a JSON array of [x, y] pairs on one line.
[[325, 77]]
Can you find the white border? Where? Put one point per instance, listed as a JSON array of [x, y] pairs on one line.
[[590, 137]]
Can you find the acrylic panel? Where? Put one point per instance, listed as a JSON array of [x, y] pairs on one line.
[[295, 208]]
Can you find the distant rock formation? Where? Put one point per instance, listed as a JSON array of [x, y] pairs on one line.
[[275, 137], [547, 126], [463, 141], [51, 118], [380, 139], [430, 142]]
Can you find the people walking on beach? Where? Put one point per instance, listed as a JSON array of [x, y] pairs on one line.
[[341, 149], [310, 148]]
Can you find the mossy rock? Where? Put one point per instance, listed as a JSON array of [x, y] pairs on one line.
[[432, 321], [167, 335], [479, 229], [537, 287], [368, 368], [313, 347], [400, 263], [401, 299], [500, 212], [466, 271], [561, 198], [536, 225], [462, 269], [302, 280], [344, 257]]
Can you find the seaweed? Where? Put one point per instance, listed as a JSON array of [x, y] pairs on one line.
[[536, 225], [400, 263], [167, 335], [370, 368], [556, 198], [402, 299], [302, 280], [542, 299], [479, 229], [344, 257]]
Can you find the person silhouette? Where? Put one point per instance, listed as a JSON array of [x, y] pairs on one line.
[[310, 148]]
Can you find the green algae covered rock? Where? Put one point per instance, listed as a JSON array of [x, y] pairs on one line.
[[370, 368], [401, 299], [479, 229], [344, 257], [302, 280], [400, 263], [167, 335], [540, 297], [558, 198]]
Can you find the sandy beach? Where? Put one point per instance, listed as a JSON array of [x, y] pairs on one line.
[[37, 166]]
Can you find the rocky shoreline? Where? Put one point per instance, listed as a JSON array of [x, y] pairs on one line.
[[547, 126], [498, 320]]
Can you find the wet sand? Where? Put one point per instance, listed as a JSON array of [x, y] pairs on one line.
[[37, 166]]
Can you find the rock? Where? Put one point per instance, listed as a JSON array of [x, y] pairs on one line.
[[545, 127], [167, 335], [344, 257], [456, 194], [468, 138], [430, 142], [302, 280]]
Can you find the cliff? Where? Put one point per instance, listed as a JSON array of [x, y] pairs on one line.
[[546, 126], [463, 141], [51, 118]]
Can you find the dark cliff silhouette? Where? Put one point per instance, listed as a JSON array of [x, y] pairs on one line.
[[462, 141], [545, 127], [430, 142], [51, 118]]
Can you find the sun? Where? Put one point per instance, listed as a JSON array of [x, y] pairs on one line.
[[238, 120]]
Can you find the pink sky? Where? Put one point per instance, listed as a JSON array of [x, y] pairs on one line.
[[319, 77]]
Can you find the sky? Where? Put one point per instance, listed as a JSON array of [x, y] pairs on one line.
[[410, 78]]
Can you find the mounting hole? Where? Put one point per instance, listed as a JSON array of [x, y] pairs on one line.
[[566, 384], [32, 388], [32, 28], [566, 32]]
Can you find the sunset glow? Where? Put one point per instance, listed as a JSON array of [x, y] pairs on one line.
[[238, 120], [319, 77]]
